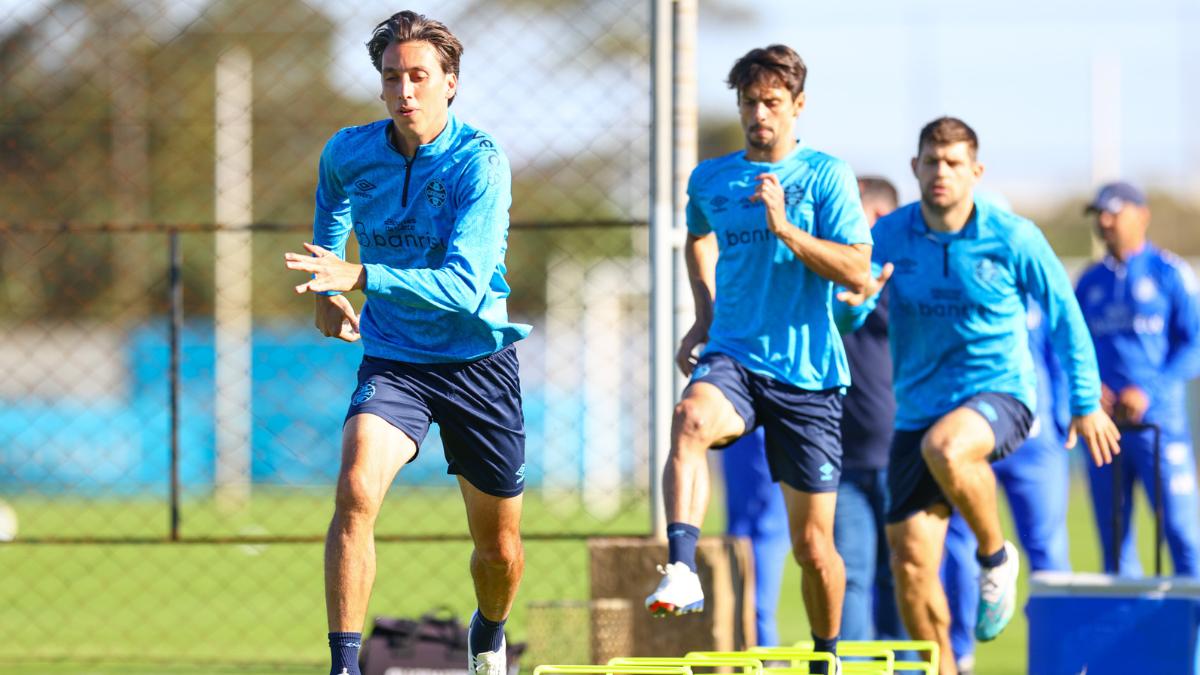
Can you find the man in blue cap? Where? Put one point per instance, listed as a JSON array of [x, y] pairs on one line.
[[1140, 304]]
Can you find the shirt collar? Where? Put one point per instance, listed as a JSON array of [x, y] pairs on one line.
[[438, 145], [970, 231]]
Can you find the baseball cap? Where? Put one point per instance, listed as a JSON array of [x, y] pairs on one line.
[[1114, 196]]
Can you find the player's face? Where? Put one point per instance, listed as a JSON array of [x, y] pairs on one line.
[[416, 90], [946, 173], [768, 114], [1124, 230]]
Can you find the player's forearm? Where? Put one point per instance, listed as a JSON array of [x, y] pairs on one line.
[[843, 264], [449, 288]]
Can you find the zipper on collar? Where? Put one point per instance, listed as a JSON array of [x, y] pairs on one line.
[[946, 259], [408, 176]]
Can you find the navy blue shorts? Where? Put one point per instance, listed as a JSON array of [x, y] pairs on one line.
[[802, 428], [476, 404], [912, 488]]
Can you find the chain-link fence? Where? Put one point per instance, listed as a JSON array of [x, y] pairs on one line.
[[161, 381]]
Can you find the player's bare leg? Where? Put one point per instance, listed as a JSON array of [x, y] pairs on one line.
[[823, 574], [498, 561], [956, 450], [916, 544], [372, 453], [703, 417]]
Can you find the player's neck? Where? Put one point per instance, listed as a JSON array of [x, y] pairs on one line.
[[1124, 253], [950, 220], [407, 140], [775, 153]]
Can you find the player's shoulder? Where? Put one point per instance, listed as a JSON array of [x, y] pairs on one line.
[[714, 165], [819, 160], [1167, 264], [349, 140], [896, 222], [474, 140], [1007, 224]]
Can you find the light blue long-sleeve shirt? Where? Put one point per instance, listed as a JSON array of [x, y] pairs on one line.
[[958, 324], [432, 232]]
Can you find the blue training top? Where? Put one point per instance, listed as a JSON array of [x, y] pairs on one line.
[[1144, 318], [772, 313], [432, 232], [957, 310]]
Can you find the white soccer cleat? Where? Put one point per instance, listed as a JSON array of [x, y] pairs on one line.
[[678, 593], [488, 663], [997, 595]]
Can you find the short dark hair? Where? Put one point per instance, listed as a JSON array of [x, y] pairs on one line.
[[947, 130], [777, 65], [878, 188], [408, 26]]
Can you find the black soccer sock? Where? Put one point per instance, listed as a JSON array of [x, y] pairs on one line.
[[829, 646], [484, 634], [343, 650], [681, 544], [994, 560]]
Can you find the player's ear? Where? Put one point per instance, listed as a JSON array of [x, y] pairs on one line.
[[913, 163], [978, 170], [451, 86], [798, 104]]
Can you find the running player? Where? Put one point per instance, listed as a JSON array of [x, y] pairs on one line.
[[963, 374], [427, 198], [788, 225], [1142, 307]]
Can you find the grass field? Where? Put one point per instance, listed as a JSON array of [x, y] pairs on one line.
[[190, 609]]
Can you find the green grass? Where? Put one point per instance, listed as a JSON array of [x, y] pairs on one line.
[[188, 609]]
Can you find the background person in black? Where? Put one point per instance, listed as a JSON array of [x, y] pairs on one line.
[[869, 611]]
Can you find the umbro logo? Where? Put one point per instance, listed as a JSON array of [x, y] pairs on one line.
[[521, 474], [364, 185], [826, 471]]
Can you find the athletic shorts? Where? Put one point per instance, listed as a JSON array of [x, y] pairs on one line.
[[912, 488], [476, 404], [802, 428]]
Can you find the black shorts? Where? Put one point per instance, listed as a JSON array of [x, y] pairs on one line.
[[476, 404], [912, 488], [802, 427]]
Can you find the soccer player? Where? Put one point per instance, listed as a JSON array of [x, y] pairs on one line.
[[427, 198], [1036, 479], [1142, 309], [788, 225], [963, 375], [869, 611]]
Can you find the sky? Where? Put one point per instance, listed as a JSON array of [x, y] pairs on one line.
[[1063, 94]]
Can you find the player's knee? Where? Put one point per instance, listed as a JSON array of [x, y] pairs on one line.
[[691, 420], [813, 550], [355, 499], [942, 452], [505, 551]]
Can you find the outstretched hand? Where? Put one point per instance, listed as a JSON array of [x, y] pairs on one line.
[[329, 272], [1099, 434], [874, 285]]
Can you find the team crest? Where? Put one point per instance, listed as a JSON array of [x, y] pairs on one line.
[[435, 192], [986, 270], [793, 194], [1144, 290]]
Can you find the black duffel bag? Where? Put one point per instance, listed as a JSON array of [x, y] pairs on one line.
[[435, 644]]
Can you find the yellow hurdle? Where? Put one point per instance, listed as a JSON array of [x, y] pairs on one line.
[[883, 663], [800, 655], [611, 670], [749, 664], [927, 666]]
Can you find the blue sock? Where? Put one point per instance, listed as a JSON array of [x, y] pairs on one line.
[[484, 634], [681, 544], [994, 560], [822, 645], [343, 648]]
